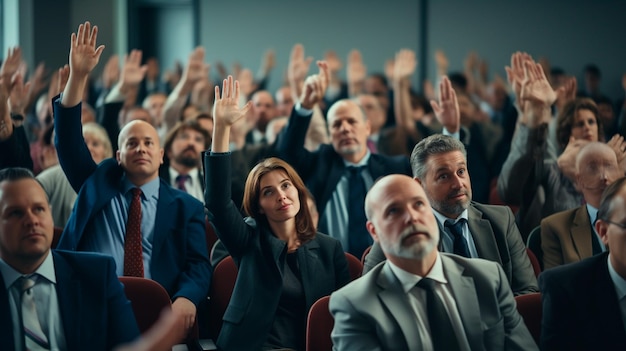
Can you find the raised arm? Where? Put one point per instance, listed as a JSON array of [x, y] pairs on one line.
[[447, 109], [131, 75], [356, 73], [74, 156], [193, 72], [297, 69], [403, 69], [226, 112]]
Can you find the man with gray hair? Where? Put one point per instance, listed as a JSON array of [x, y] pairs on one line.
[[467, 228], [421, 299]]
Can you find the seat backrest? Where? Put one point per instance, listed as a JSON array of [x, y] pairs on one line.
[[222, 286], [534, 244], [55, 238], [365, 253], [529, 307], [534, 262], [319, 325], [147, 297], [354, 266]]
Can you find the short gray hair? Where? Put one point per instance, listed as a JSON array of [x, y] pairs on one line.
[[433, 145]]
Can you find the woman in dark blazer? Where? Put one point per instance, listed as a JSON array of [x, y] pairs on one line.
[[284, 265]]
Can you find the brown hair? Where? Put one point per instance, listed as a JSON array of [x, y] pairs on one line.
[[567, 118], [304, 223], [181, 126]]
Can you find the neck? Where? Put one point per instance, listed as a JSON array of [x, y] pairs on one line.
[[286, 231], [419, 267], [592, 199], [357, 156], [141, 180], [180, 168], [620, 270], [26, 266]]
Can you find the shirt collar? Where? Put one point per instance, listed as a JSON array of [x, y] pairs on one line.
[[193, 174], [592, 212], [409, 280], [442, 219], [363, 161], [46, 270], [150, 189], [618, 281]]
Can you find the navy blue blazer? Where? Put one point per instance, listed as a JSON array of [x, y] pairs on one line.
[[94, 310], [260, 257], [580, 307], [321, 170], [180, 261]]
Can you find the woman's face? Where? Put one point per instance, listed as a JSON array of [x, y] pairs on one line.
[[278, 197], [585, 126], [95, 146]]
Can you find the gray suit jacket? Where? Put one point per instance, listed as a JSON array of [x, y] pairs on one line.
[[374, 313], [497, 239]]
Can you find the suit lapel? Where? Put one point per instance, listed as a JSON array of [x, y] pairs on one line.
[[483, 236], [328, 182], [393, 297], [6, 323], [605, 304], [464, 292], [581, 235], [164, 218], [68, 288], [308, 262]]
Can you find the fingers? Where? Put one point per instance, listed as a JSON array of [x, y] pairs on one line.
[[217, 93], [246, 108], [435, 107]]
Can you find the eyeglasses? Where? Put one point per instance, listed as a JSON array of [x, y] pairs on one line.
[[623, 226]]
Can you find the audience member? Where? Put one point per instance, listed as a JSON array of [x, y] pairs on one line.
[[284, 265], [123, 209], [468, 228], [338, 175], [583, 302], [570, 236], [420, 299], [53, 300], [183, 147]]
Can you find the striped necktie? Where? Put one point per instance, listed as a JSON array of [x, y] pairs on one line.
[[34, 337]]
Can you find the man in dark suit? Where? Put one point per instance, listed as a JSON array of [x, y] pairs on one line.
[[327, 171], [79, 303], [584, 304], [170, 245], [420, 299], [468, 228]]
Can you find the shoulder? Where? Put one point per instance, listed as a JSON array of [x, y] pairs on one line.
[[325, 240], [492, 210], [475, 267], [362, 288], [166, 191], [83, 261], [391, 164], [577, 273], [560, 217]]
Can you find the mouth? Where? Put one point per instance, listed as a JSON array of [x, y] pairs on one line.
[[284, 207], [141, 161], [34, 236], [458, 196]]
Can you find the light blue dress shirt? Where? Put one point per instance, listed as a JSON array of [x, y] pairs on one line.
[[106, 233], [45, 299]]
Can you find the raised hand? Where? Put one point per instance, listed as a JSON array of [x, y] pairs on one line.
[[566, 93], [195, 69], [226, 110], [315, 87], [18, 99], [405, 64], [132, 72], [447, 110], [442, 62], [268, 62], [11, 63], [567, 159], [84, 55], [515, 74], [356, 70], [535, 88], [298, 65], [334, 62], [111, 72]]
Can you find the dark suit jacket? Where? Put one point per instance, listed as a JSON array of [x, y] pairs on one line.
[[566, 237], [16, 150], [580, 307], [322, 169], [374, 312], [260, 257], [94, 310], [180, 261], [497, 239]]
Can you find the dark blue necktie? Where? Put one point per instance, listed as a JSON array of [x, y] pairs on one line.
[[460, 244], [358, 236]]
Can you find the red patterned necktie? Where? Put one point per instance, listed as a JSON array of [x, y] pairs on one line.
[[133, 251]]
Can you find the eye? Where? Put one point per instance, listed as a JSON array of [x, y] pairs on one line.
[[39, 209], [461, 171], [15, 214], [286, 185], [442, 176], [267, 192]]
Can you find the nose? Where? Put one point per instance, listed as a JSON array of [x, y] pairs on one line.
[[413, 215], [31, 219], [457, 182]]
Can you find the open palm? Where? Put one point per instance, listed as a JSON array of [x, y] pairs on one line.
[[84, 55], [226, 108]]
